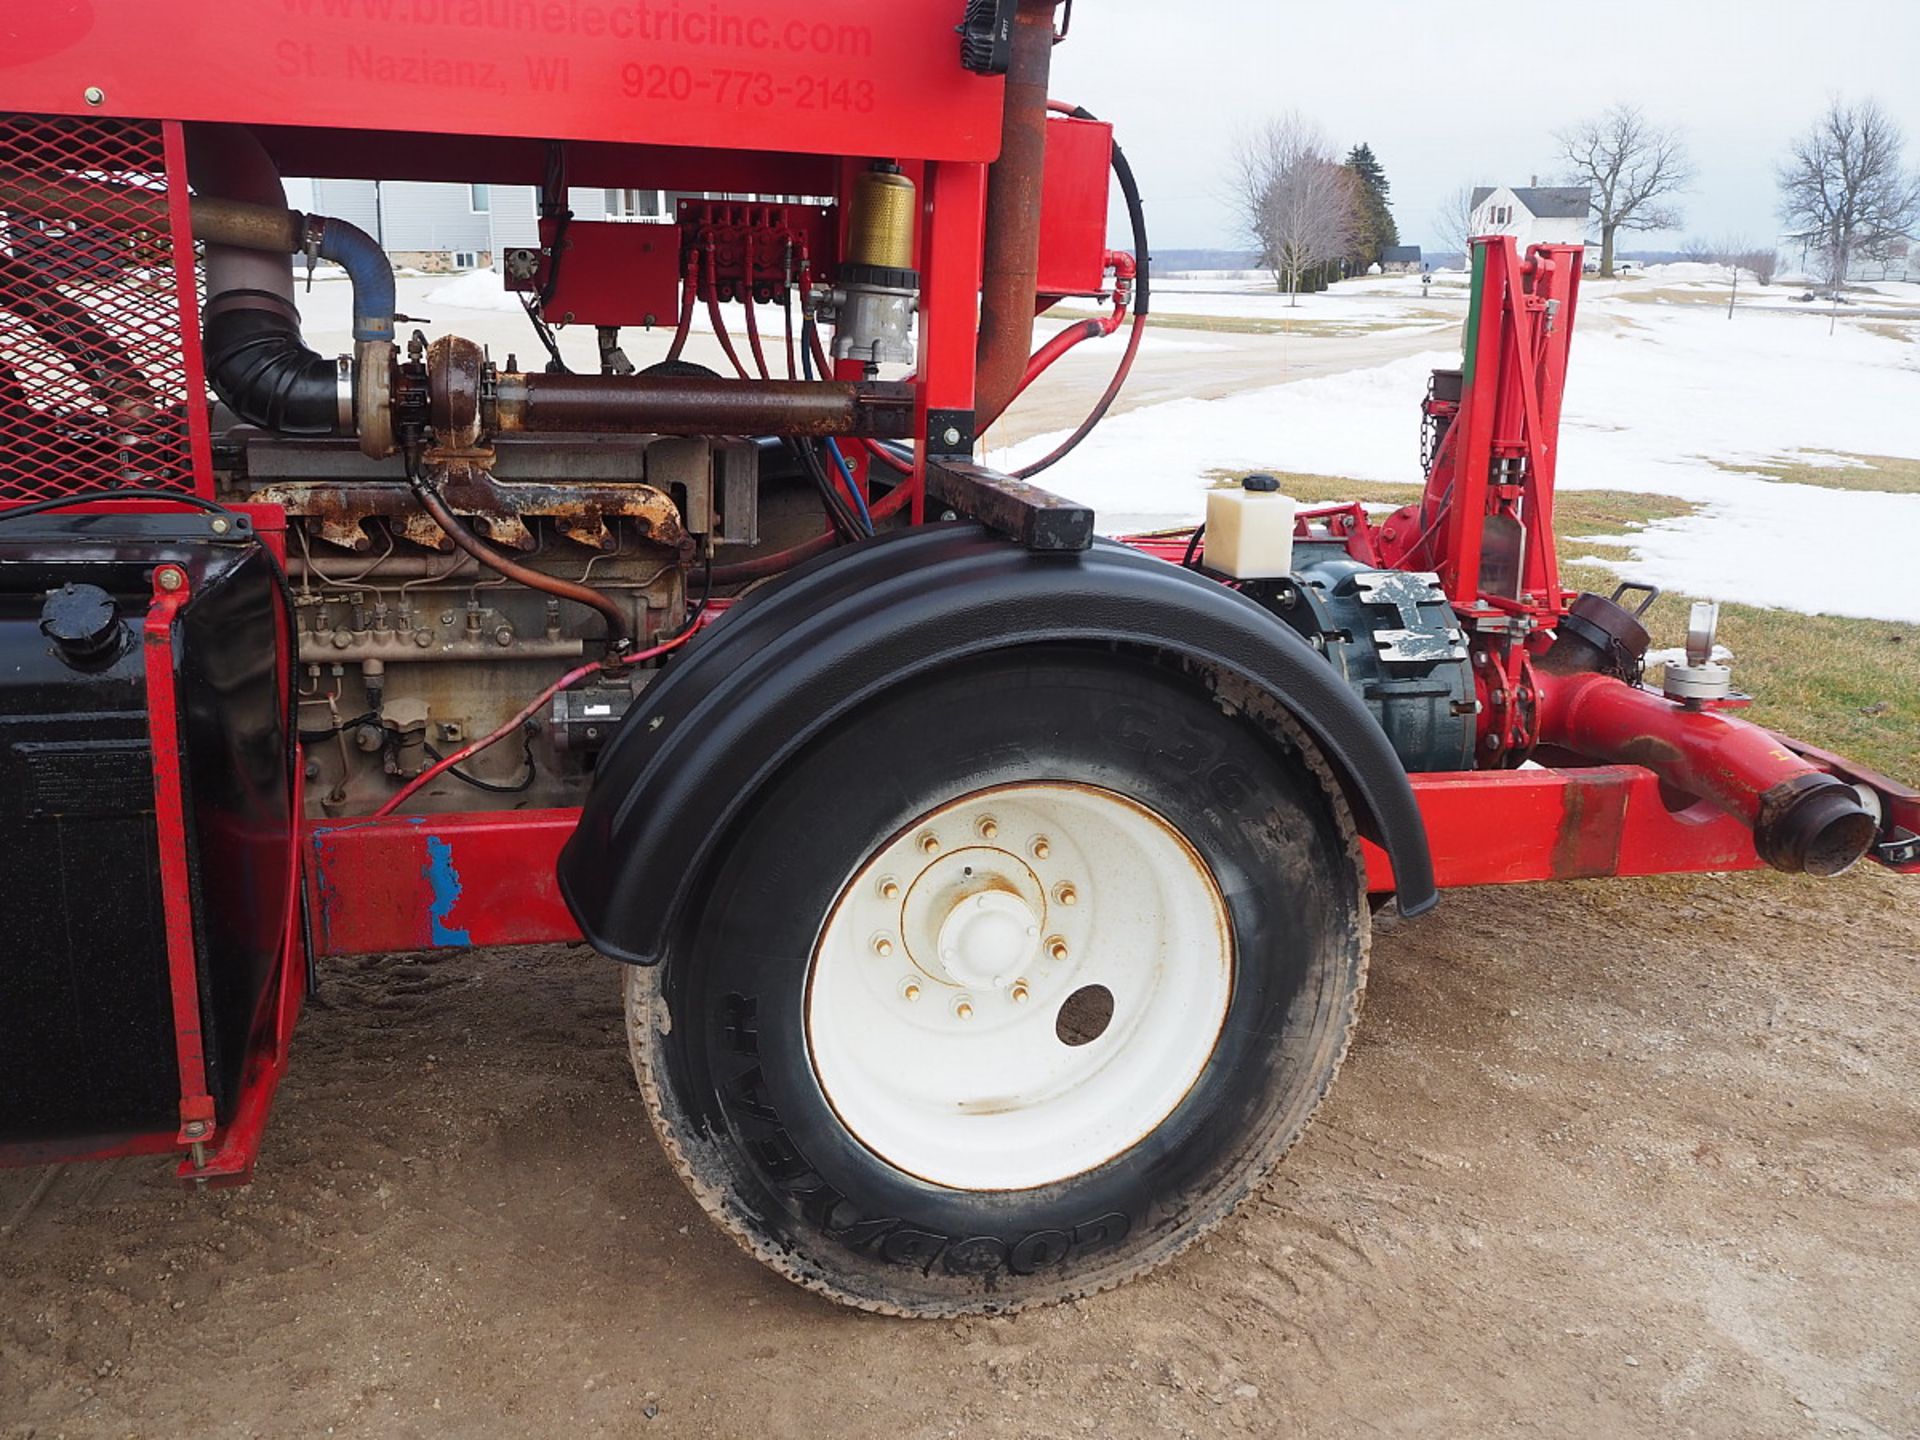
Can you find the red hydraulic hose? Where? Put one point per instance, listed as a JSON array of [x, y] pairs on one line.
[[571, 678], [619, 630], [753, 325], [720, 325], [690, 285]]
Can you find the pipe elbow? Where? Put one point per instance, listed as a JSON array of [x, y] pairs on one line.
[[367, 267]]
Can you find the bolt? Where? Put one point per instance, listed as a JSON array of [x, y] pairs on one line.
[[1493, 742], [889, 889], [951, 434], [1019, 992], [963, 1009], [94, 95], [909, 990], [423, 638], [220, 525], [503, 636], [1057, 948], [168, 578], [196, 1128], [929, 842], [1066, 894], [446, 617], [1041, 849], [882, 945], [988, 827]]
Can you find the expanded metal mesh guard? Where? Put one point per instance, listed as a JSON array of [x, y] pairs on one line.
[[95, 382]]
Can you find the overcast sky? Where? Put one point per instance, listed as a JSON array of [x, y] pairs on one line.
[[1472, 91]]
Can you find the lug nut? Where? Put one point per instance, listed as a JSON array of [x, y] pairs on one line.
[[889, 889], [1066, 894], [909, 990], [929, 842], [963, 1009], [1057, 948], [882, 945], [1041, 849], [1019, 992], [988, 827]]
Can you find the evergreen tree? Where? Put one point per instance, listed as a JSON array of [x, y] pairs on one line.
[[1376, 229]]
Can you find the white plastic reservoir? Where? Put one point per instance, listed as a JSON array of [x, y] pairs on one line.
[[1250, 530]]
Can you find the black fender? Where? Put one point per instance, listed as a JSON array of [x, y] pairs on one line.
[[745, 696]]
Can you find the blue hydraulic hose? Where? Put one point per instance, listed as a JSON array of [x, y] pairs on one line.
[[846, 473]]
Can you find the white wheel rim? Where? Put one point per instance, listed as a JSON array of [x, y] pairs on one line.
[[941, 972]]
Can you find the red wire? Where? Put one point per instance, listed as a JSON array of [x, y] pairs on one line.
[[571, 678]]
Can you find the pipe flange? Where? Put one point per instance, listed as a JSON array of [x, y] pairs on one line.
[[1697, 682]]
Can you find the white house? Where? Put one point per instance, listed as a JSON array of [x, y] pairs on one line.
[[1533, 214]]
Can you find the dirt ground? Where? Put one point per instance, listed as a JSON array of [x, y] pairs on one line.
[[1607, 1159]]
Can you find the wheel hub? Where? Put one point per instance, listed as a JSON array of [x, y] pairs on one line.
[[944, 999]]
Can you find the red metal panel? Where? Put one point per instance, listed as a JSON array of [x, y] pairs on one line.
[[415, 882], [1073, 207], [97, 387], [609, 272], [846, 77]]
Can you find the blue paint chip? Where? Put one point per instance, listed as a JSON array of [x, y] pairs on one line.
[[445, 881]]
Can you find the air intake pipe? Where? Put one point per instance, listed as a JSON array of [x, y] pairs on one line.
[[256, 360]]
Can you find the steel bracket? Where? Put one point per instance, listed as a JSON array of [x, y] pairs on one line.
[[1038, 519]]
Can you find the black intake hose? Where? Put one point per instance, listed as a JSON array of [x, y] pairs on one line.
[[258, 364]]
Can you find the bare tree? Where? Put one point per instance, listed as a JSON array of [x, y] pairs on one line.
[[1844, 189], [1632, 166], [1761, 262], [1299, 204], [1453, 221]]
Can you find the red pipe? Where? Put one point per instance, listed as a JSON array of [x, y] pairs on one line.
[[1802, 818]]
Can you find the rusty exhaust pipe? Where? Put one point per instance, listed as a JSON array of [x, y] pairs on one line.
[[1803, 819], [697, 405], [1010, 266]]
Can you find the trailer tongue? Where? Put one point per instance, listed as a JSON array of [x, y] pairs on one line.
[[993, 899]]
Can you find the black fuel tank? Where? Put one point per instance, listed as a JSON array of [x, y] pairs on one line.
[[86, 1020]]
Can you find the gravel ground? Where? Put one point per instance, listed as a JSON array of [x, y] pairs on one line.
[[1608, 1159]]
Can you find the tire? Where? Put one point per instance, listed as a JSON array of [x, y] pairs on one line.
[[768, 1084]]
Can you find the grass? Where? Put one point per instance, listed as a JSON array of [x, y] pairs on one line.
[[1852, 686], [1843, 471]]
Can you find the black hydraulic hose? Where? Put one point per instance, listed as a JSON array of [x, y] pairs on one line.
[[1142, 294], [88, 497]]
